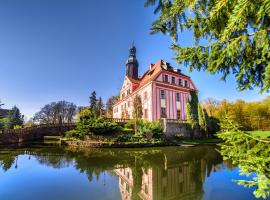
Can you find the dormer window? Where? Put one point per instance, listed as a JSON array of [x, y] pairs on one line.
[[180, 82], [186, 83], [173, 80], [166, 78]]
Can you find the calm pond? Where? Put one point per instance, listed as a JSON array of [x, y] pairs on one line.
[[49, 172]]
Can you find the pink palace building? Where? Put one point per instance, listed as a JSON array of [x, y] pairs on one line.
[[164, 91]]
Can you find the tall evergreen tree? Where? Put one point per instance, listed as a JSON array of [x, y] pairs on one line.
[[93, 103], [15, 117], [189, 115], [194, 101], [237, 35], [100, 106], [192, 111], [203, 119]]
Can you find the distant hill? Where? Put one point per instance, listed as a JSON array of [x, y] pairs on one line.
[[3, 112]]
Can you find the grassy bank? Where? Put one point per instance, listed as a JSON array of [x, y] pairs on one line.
[[201, 141], [261, 134]]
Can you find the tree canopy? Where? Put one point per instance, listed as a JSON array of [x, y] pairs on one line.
[[109, 106], [230, 36], [56, 113], [15, 117], [249, 115]]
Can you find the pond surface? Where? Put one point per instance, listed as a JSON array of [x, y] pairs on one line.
[[54, 173]]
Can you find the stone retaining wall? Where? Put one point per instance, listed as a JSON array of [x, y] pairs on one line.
[[177, 128], [32, 133]]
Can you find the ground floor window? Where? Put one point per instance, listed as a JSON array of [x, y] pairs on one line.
[[163, 113], [145, 113], [178, 114]]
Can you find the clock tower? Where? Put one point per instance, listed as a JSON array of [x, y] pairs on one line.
[[132, 63]]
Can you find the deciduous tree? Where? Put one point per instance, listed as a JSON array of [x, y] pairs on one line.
[[56, 113], [109, 106]]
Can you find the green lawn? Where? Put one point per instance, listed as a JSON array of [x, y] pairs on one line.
[[262, 134]]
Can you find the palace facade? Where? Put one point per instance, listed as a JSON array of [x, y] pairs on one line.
[[164, 91]]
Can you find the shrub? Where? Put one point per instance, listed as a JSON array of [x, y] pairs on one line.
[[84, 114], [123, 138], [4, 122], [17, 127], [97, 125], [131, 124], [73, 134], [150, 130]]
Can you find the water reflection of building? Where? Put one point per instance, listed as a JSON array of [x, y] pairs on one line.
[[125, 182], [174, 182]]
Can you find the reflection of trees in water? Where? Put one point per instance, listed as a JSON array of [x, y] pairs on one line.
[[190, 164], [7, 159], [251, 155], [55, 161]]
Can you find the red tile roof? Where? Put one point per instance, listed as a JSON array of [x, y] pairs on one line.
[[152, 74]]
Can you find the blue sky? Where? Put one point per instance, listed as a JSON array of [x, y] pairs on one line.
[[54, 50]]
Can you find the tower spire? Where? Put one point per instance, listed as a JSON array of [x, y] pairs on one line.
[[132, 63]]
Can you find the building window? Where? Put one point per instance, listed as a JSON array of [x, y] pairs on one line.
[[163, 113], [145, 95], [146, 189], [128, 91], [162, 94], [145, 114], [177, 96], [180, 82], [173, 80], [128, 103], [178, 114], [166, 78], [127, 188], [186, 83]]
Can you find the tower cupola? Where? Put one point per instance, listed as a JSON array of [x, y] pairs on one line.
[[132, 64]]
